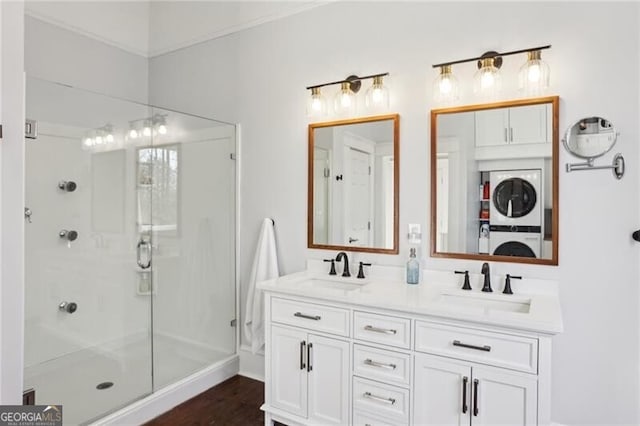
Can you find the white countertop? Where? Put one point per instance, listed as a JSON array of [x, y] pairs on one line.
[[386, 291]]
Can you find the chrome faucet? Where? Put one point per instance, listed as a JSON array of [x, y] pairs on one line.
[[487, 278], [345, 271]]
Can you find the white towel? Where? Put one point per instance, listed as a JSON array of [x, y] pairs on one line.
[[265, 267]]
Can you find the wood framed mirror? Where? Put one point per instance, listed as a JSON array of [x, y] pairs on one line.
[[494, 181], [353, 197]]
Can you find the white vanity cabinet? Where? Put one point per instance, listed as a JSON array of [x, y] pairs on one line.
[[309, 372], [452, 392], [350, 363], [515, 125]]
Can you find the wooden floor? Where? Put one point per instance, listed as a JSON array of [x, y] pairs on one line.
[[236, 401]]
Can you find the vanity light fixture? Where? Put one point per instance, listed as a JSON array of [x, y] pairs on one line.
[[487, 81], [345, 100], [533, 78], [317, 105], [146, 130], [377, 96], [445, 86]]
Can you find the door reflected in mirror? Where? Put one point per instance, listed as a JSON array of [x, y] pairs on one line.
[[353, 184], [494, 181]]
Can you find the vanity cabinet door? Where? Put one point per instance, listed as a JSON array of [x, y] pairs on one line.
[[492, 127], [529, 124], [442, 391], [288, 370], [503, 398], [329, 376]]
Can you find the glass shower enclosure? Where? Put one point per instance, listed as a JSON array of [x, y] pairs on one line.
[[130, 248]]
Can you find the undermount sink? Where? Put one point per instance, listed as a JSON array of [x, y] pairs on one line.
[[338, 284], [484, 302]]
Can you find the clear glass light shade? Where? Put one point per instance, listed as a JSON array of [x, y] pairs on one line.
[[445, 87], [146, 131], [109, 138], [133, 134], [344, 102], [487, 82], [88, 142], [316, 104], [377, 96], [533, 78], [99, 140], [162, 129]]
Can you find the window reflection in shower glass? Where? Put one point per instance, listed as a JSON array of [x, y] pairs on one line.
[[158, 175]]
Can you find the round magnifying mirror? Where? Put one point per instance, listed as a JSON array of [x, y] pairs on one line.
[[590, 137]]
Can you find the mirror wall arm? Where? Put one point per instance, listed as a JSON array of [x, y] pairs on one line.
[[618, 166]]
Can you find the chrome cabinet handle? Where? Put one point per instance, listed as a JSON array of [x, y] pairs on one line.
[[380, 330], [373, 363], [305, 316], [147, 246], [485, 348], [302, 364], [465, 380], [475, 397], [379, 398]]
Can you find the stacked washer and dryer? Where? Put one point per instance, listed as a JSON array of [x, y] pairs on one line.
[[516, 213]]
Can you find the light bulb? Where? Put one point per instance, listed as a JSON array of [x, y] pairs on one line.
[[133, 134], [533, 77], [445, 86], [345, 100], [377, 96], [487, 81], [316, 104], [146, 131], [99, 140], [109, 138], [162, 129], [88, 142]]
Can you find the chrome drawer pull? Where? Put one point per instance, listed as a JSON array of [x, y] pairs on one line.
[[380, 330], [379, 398], [379, 364], [485, 348], [311, 317]]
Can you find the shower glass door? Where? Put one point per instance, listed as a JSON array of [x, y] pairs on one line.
[[130, 249], [191, 172], [89, 281]]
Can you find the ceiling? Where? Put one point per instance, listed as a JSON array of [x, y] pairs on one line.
[[152, 28]]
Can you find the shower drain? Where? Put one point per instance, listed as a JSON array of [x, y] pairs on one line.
[[104, 385]]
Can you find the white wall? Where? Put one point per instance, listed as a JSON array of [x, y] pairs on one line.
[[258, 78], [56, 54]]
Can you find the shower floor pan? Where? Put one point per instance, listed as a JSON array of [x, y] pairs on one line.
[[74, 380]]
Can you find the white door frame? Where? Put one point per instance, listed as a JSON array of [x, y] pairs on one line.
[[12, 157]]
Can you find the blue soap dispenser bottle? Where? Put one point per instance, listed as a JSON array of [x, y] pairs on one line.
[[413, 268]]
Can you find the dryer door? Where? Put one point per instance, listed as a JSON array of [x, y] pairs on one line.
[[514, 248], [514, 197]]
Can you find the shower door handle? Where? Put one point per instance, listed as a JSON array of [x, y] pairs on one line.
[[147, 248]]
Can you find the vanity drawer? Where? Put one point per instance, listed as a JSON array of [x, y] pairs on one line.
[[501, 350], [321, 318], [380, 364], [377, 399], [365, 419], [383, 329]]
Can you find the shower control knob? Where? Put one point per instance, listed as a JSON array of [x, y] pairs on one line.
[[69, 307], [68, 186], [68, 235]]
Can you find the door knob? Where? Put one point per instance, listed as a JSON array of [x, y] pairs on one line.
[[68, 186], [69, 307], [69, 235]]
